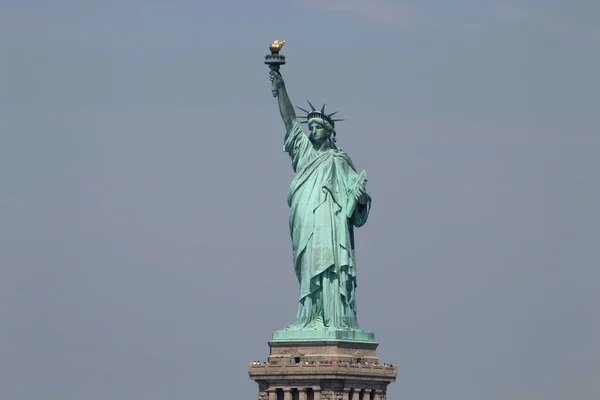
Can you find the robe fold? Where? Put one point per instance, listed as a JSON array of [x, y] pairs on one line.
[[323, 212]]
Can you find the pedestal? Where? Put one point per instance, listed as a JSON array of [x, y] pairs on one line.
[[322, 370]]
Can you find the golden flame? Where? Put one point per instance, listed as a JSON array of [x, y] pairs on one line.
[[276, 46]]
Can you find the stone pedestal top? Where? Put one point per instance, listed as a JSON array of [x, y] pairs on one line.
[[324, 371], [322, 351]]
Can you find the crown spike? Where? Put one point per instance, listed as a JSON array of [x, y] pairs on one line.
[[323, 108], [311, 106], [302, 109]]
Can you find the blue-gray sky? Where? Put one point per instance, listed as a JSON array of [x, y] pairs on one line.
[[144, 247]]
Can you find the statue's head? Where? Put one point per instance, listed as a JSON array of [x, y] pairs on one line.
[[320, 125], [320, 131]]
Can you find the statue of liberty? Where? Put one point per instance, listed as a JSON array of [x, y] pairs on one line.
[[327, 200]]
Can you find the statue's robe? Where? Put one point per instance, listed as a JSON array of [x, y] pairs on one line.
[[323, 212]]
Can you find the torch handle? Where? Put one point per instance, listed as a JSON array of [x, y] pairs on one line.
[[274, 68]]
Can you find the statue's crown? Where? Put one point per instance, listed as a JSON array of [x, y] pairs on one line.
[[314, 113]]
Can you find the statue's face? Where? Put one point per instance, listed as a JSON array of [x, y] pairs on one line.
[[318, 132]]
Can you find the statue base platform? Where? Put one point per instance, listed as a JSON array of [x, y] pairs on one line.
[[315, 351], [322, 370], [323, 335]]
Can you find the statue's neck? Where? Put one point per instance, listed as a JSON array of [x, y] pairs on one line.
[[322, 147]]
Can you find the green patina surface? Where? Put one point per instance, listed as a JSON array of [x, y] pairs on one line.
[[327, 200]]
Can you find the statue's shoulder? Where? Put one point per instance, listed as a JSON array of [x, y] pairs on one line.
[[341, 153], [342, 156], [296, 125]]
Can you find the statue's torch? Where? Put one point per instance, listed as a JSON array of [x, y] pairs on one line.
[[275, 60]]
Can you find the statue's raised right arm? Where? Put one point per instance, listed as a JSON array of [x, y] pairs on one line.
[[285, 105]]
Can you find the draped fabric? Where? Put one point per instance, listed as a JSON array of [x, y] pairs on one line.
[[323, 212]]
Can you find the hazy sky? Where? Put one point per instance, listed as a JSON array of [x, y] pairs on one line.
[[144, 246]]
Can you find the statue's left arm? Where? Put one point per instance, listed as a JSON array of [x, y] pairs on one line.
[[358, 201], [361, 210]]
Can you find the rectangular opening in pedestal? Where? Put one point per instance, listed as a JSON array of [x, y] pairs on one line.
[[297, 360]]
